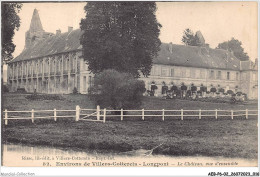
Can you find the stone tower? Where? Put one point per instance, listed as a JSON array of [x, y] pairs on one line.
[[36, 32]]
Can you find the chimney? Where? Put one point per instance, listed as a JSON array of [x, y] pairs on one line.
[[58, 32], [170, 47], [70, 29]]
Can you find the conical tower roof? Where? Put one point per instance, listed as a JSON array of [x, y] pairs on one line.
[[36, 24]]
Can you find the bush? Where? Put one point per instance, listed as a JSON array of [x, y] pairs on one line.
[[75, 90], [21, 90], [213, 90], [230, 92], [203, 89], [174, 88], [193, 88], [154, 87], [221, 90], [118, 90], [183, 87], [5, 88], [43, 97]]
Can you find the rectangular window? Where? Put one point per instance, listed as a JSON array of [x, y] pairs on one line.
[[183, 72], [152, 71], [172, 72], [254, 77], [197, 73], [202, 73], [228, 75], [157, 71], [237, 76], [164, 71], [84, 83], [212, 73], [177, 72], [219, 75], [188, 71]]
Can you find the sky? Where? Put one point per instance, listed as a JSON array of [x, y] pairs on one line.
[[218, 21]]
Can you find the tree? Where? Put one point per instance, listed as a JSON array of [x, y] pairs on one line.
[[189, 38], [234, 46], [120, 35], [118, 90], [10, 22]]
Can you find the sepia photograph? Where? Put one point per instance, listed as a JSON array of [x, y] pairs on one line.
[[129, 84]]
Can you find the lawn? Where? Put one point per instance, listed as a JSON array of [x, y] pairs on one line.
[[191, 137], [12, 101]]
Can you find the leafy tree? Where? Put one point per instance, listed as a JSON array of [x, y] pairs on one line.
[[10, 22], [235, 46], [189, 38], [118, 90], [121, 36]]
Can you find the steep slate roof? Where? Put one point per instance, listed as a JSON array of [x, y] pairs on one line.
[[180, 56], [64, 42], [192, 56]]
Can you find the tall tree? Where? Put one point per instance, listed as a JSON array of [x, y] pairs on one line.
[[10, 23], [120, 35], [189, 38], [234, 46]]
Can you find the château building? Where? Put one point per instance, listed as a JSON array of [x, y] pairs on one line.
[[52, 63]]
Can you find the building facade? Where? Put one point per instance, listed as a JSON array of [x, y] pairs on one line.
[[52, 63]]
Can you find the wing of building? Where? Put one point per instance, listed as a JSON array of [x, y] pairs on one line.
[[52, 63]]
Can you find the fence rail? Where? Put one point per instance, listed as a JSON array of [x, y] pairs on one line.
[[81, 114]]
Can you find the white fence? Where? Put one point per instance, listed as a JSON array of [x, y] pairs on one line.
[[101, 114]]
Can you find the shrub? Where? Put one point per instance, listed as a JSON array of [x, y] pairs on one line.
[[75, 90], [21, 90], [239, 93], [203, 89], [221, 90], [174, 88], [5, 88], [213, 90], [164, 89], [193, 88], [154, 87], [118, 90], [183, 87], [43, 97], [230, 92]]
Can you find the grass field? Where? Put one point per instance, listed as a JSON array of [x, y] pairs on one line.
[[191, 137]]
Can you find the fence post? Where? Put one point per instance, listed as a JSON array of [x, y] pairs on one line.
[[199, 113], [104, 118], [232, 114], [246, 113], [77, 113], [163, 114], [216, 114], [55, 114], [181, 114], [122, 114], [6, 118], [98, 112], [32, 115], [142, 114]]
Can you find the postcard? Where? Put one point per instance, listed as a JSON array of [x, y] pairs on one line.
[[130, 84]]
